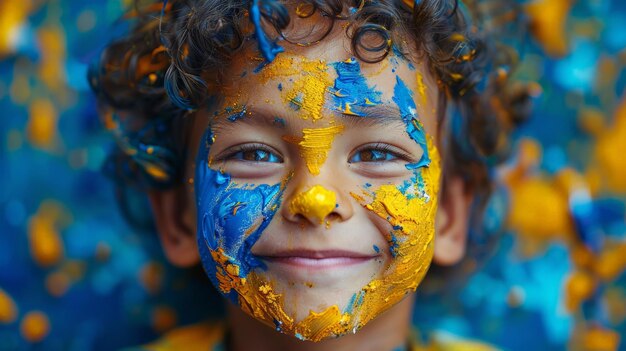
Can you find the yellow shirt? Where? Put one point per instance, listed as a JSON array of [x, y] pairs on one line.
[[210, 337]]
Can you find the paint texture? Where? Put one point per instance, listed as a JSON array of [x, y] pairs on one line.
[[316, 203], [311, 82], [421, 88], [351, 94], [231, 219], [315, 144], [403, 97], [269, 49], [412, 219]]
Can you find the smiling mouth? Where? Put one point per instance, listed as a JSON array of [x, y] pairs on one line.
[[318, 259]]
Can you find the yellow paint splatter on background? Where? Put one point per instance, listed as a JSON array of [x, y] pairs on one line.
[[164, 318], [13, 15], [609, 152], [311, 82], [315, 144], [594, 337], [316, 202], [53, 49], [8, 308], [46, 246], [35, 326], [548, 24], [42, 123]]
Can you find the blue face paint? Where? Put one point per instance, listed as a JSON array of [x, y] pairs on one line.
[[230, 218], [235, 114], [403, 97], [414, 187], [280, 122], [269, 49], [350, 92]]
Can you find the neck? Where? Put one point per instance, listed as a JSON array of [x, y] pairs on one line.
[[388, 331]]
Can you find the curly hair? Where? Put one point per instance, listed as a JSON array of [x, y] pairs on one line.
[[147, 81]]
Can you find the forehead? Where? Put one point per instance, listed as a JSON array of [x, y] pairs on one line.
[[319, 77]]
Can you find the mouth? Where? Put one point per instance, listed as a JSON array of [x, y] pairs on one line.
[[317, 260]]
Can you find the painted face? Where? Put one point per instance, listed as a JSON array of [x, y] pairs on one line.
[[316, 187]]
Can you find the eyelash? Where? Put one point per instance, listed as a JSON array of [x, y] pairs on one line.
[[247, 148], [384, 148], [378, 147]]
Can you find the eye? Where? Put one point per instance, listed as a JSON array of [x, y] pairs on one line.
[[253, 153], [376, 153]]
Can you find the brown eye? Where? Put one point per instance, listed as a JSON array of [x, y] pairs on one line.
[[373, 155], [255, 154]]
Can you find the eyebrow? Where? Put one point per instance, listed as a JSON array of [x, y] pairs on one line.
[[371, 116], [377, 115]]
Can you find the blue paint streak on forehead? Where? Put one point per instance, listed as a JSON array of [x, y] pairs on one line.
[[403, 97], [235, 114], [351, 92], [230, 218], [269, 49]]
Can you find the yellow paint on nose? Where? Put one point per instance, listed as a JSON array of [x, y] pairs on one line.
[[317, 202]]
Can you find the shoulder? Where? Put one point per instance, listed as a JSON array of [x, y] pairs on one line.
[[201, 336]]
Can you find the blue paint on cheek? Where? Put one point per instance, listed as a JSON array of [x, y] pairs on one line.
[[403, 97], [350, 92], [269, 49], [230, 218], [376, 248], [414, 187]]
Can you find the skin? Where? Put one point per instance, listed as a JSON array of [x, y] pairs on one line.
[[350, 226]]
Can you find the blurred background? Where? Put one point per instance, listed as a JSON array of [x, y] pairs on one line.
[[75, 276]]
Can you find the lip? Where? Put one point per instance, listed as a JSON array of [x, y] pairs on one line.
[[317, 259]]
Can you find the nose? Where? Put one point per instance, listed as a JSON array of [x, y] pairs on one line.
[[316, 205]]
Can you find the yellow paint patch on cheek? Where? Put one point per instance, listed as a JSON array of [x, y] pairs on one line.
[[411, 239], [315, 144], [311, 82], [317, 202]]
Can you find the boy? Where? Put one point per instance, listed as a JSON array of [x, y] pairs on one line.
[[305, 173]]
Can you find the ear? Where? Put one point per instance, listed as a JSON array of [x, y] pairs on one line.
[[452, 222], [174, 220]]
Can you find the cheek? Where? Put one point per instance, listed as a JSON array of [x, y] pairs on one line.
[[230, 221], [410, 208]]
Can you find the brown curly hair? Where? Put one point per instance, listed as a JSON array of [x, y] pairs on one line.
[[147, 81]]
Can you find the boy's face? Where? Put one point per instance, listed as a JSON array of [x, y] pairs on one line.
[[316, 185]]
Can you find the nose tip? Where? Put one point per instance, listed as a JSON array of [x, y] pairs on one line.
[[315, 204]]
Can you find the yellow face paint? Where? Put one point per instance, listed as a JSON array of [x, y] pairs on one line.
[[310, 83], [315, 144], [421, 88], [317, 202]]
